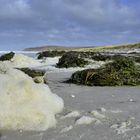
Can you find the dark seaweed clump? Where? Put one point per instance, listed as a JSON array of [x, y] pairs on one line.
[[122, 71], [32, 73], [7, 56], [41, 55], [37, 75], [71, 59]]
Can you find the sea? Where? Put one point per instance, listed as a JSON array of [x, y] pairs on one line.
[[28, 53]]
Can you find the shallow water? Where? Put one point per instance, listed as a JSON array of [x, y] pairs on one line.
[[30, 54]]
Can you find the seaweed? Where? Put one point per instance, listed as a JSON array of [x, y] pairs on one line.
[[7, 56], [37, 75], [122, 71], [32, 73], [71, 59], [41, 55]]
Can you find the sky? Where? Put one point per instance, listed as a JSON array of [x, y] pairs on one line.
[[31, 23]]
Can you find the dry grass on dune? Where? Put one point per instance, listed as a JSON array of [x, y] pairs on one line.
[[101, 48]]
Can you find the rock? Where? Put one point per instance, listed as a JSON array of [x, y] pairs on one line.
[[122, 71], [32, 73], [71, 59], [7, 56], [41, 55], [100, 57], [37, 75]]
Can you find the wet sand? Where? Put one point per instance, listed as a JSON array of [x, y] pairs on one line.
[[120, 107]]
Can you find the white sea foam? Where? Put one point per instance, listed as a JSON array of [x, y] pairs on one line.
[[66, 129], [116, 111], [98, 115], [51, 68], [102, 109], [21, 60], [25, 104], [122, 128], [71, 114], [85, 120], [47, 64], [50, 61]]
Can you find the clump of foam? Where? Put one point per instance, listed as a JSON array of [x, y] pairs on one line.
[[71, 115], [86, 120], [66, 129], [50, 61], [98, 115], [25, 104], [21, 60], [102, 109], [122, 128], [116, 111]]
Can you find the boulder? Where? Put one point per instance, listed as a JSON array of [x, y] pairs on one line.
[[32, 73], [41, 55], [37, 75], [7, 56], [71, 59]]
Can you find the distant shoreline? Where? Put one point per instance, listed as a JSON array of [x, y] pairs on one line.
[[83, 48]]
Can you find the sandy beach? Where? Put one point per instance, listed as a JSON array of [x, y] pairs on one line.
[[69, 70], [101, 113]]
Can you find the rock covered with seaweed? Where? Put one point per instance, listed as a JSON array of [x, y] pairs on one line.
[[7, 57], [37, 75], [53, 53], [122, 71], [71, 59]]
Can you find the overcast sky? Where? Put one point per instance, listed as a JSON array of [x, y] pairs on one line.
[[30, 23]]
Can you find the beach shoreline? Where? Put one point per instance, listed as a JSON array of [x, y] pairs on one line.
[[117, 104]]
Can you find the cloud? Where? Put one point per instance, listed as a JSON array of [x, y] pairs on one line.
[[88, 14], [69, 21], [99, 14], [10, 9]]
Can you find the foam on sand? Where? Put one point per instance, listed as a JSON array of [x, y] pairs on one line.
[[85, 120], [97, 115], [25, 104], [66, 129], [71, 115], [122, 128]]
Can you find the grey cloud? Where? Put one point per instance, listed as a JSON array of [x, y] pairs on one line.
[[69, 21], [14, 9], [101, 13], [90, 13]]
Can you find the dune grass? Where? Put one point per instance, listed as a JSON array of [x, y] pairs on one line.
[[101, 48]]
